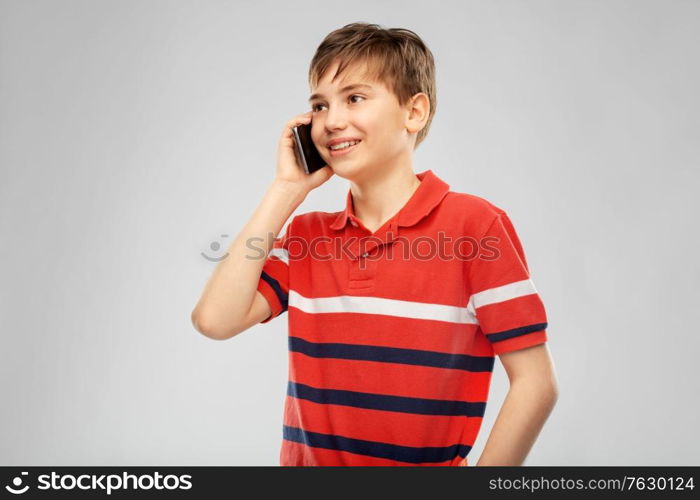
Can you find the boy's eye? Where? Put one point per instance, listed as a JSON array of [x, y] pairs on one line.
[[315, 106]]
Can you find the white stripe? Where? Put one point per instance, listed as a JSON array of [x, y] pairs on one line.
[[380, 305], [502, 293], [281, 254]]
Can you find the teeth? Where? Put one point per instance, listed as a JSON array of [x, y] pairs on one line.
[[343, 145]]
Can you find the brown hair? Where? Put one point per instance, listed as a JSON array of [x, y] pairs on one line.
[[396, 56]]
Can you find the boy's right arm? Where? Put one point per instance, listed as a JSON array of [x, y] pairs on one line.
[[230, 302]]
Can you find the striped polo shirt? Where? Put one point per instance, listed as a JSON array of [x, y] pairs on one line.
[[392, 334]]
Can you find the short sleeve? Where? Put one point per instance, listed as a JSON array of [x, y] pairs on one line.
[[503, 297], [274, 279]]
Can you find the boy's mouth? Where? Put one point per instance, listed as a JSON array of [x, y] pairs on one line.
[[344, 150]]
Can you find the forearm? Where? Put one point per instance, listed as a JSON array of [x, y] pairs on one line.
[[230, 290], [525, 409]]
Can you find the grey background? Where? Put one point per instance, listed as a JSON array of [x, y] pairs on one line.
[[135, 134]]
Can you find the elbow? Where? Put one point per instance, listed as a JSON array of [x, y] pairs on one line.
[[209, 328], [545, 390], [551, 392], [555, 390], [553, 386], [199, 324]]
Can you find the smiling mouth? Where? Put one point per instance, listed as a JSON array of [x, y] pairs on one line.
[[339, 152]]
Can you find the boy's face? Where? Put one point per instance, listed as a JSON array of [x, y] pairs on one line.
[[371, 114]]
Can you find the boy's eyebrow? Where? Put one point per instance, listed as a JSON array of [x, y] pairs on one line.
[[344, 89]]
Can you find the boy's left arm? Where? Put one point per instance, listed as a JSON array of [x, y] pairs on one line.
[[532, 395]]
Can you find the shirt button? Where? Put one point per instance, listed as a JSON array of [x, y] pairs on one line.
[[365, 254]]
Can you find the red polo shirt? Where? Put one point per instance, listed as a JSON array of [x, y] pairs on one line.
[[392, 335]]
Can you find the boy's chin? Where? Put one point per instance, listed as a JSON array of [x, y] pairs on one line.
[[349, 170]]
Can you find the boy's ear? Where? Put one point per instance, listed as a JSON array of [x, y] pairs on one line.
[[418, 111]]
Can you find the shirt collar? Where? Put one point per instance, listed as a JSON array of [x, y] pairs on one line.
[[427, 196]]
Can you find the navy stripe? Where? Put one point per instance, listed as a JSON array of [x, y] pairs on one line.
[[515, 332], [284, 298], [392, 355], [408, 454], [420, 406]]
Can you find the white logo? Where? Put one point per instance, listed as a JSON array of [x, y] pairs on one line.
[[18, 482]]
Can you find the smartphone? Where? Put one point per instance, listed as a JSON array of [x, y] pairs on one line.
[[308, 156]]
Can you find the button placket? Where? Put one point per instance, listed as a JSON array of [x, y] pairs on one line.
[[362, 272], [363, 266]]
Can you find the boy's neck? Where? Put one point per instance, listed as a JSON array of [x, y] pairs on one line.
[[379, 198]]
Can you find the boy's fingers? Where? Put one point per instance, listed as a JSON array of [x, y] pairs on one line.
[[304, 118]]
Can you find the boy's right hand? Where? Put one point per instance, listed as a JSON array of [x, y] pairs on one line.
[[288, 169]]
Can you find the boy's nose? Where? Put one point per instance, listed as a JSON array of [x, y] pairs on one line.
[[335, 119]]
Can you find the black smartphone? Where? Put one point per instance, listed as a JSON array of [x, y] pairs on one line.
[[308, 156]]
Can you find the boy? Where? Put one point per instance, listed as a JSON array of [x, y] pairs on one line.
[[391, 346]]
